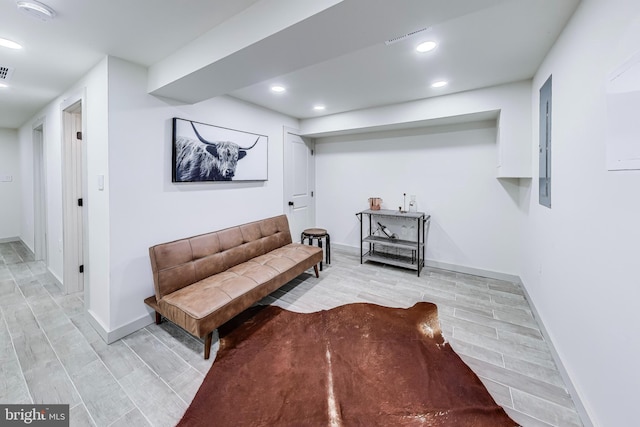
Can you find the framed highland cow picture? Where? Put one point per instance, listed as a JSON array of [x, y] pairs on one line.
[[203, 152]]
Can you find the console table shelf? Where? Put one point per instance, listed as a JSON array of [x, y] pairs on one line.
[[410, 250]]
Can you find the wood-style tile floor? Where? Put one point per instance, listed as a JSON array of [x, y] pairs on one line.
[[50, 354]]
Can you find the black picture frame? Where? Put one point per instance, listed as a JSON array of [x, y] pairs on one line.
[[207, 153]]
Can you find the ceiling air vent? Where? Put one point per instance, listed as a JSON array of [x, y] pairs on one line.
[[405, 36], [5, 73]]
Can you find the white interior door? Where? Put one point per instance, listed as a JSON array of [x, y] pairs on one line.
[[73, 238], [39, 196], [299, 183]]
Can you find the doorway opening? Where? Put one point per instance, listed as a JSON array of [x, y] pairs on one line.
[[73, 184], [299, 182], [40, 245]]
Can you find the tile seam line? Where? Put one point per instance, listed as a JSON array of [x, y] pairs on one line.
[[154, 372], [24, 380], [73, 384], [98, 358]]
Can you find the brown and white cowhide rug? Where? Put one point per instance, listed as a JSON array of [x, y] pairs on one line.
[[354, 365]]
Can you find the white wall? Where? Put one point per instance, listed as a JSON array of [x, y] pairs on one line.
[[146, 208], [511, 100], [93, 87], [9, 191], [451, 169], [128, 137], [581, 256]]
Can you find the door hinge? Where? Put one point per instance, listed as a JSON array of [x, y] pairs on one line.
[[81, 269], [79, 136], [312, 152], [80, 202], [312, 194]]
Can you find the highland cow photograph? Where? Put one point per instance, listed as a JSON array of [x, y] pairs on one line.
[[203, 152]]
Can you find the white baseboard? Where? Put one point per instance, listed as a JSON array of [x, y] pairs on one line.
[[130, 328], [353, 250], [99, 328], [56, 279], [27, 245], [473, 271], [575, 396], [9, 239], [121, 332]]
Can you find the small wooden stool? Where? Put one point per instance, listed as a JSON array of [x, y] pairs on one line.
[[319, 234]]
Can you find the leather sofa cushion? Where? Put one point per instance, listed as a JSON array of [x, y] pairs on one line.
[[181, 263], [284, 258], [214, 299], [206, 296]]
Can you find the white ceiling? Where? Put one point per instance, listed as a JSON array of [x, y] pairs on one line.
[[336, 56], [57, 53]]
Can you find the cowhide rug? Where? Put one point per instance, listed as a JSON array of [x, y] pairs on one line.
[[354, 365]]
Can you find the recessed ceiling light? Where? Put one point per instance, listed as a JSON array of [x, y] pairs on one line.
[[440, 83], [278, 88], [319, 107], [10, 44], [426, 46], [36, 10]]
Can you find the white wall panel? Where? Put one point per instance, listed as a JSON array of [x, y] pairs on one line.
[[450, 169], [94, 88], [10, 177], [580, 264], [146, 208]]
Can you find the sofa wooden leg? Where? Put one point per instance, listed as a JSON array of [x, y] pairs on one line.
[[158, 318], [315, 268], [207, 345]]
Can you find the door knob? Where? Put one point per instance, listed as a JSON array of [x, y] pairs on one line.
[[290, 203]]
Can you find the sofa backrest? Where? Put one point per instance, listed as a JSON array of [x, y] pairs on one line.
[[182, 262]]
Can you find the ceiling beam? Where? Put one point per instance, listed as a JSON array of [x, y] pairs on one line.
[[220, 57]]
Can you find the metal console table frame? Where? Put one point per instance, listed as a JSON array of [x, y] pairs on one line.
[[417, 248]]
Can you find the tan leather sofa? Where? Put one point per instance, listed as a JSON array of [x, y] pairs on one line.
[[203, 281]]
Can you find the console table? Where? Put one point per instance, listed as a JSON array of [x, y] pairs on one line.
[[407, 243]]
